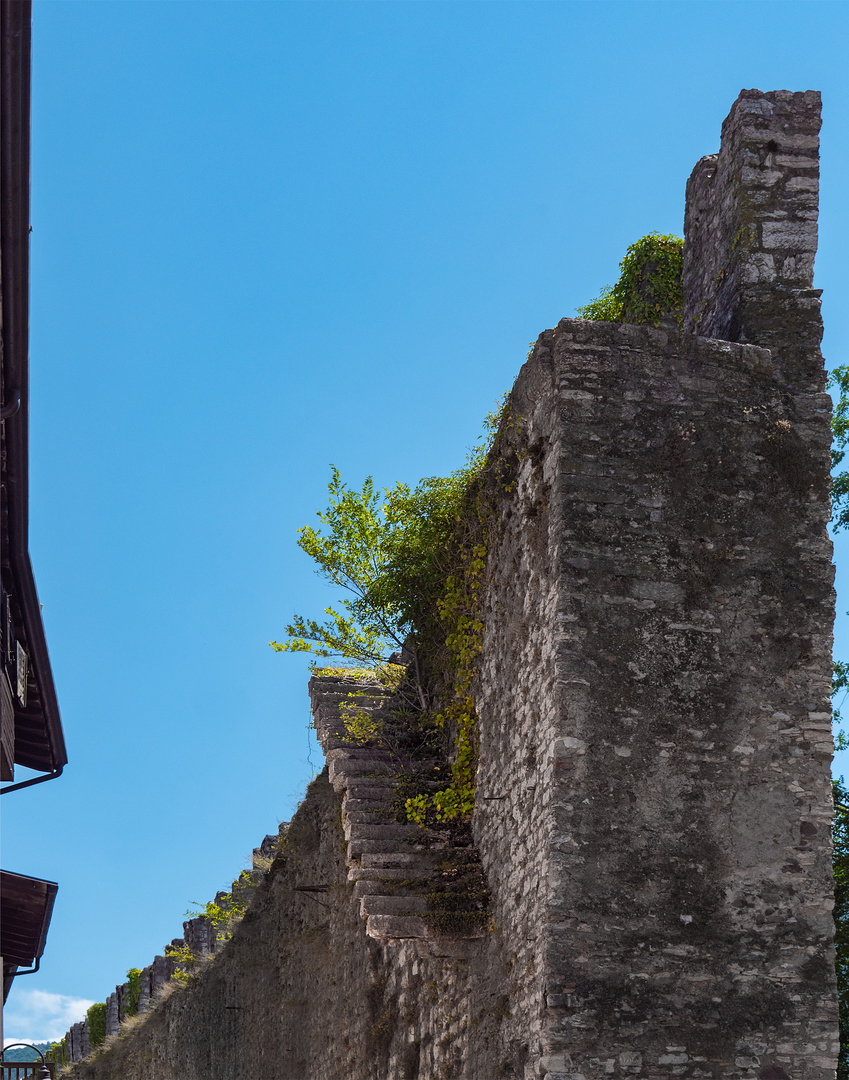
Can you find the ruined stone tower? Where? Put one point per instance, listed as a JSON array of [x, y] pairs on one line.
[[653, 796]]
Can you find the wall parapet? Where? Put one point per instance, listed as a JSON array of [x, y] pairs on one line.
[[750, 232], [201, 939]]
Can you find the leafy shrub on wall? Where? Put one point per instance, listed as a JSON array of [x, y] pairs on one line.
[[649, 288], [131, 998], [96, 1020], [413, 559]]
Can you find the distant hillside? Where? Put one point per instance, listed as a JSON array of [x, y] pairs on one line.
[[23, 1053]]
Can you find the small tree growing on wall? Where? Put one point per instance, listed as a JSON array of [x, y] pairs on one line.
[[412, 562]]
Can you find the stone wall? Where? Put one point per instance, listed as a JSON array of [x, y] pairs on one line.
[[686, 751], [302, 991], [653, 796], [751, 232], [199, 935]]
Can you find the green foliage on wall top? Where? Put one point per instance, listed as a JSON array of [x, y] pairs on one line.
[[649, 286], [224, 913], [184, 960], [413, 561], [131, 998], [96, 1019], [56, 1053]]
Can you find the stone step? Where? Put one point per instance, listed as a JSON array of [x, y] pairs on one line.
[[371, 787], [376, 799], [387, 927], [384, 830], [380, 804], [393, 905], [340, 742], [391, 845], [352, 768], [407, 886], [341, 771], [398, 844], [385, 815], [420, 862], [363, 783], [364, 754], [378, 874], [385, 827]]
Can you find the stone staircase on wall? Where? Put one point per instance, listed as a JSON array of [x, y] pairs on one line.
[[390, 862]]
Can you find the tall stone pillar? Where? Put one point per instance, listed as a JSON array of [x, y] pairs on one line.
[[751, 232], [654, 777]]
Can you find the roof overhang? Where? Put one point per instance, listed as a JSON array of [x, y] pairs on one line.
[[26, 906], [39, 742]]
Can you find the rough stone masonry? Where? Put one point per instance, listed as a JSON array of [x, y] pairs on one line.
[[653, 799]]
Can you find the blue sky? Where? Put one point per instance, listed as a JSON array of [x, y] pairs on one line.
[[270, 236]]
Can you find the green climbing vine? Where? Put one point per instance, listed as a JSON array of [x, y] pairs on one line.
[[131, 998], [184, 959], [649, 287], [96, 1018], [224, 912], [459, 611], [56, 1053]]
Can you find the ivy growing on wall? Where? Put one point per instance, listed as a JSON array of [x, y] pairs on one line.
[[96, 1020], [131, 998], [649, 287]]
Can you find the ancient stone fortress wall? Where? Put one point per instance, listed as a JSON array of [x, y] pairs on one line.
[[653, 796], [202, 938], [685, 757]]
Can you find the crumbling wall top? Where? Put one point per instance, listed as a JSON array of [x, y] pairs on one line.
[[750, 232]]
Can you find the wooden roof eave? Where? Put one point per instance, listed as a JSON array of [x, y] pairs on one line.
[[50, 754]]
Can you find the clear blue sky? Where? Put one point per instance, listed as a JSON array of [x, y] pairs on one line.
[[270, 236]]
